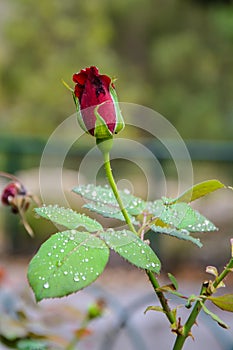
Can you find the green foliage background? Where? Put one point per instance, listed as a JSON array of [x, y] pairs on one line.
[[173, 56]]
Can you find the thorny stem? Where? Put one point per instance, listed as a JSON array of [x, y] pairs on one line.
[[180, 339], [185, 331], [163, 301], [205, 291]]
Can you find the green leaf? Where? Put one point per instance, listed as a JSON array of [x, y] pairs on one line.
[[178, 220], [107, 212], [212, 270], [67, 262], [173, 280], [182, 216], [181, 234], [68, 218], [132, 248], [198, 191], [155, 208], [224, 302], [105, 199], [154, 308], [30, 344], [169, 288], [214, 316]]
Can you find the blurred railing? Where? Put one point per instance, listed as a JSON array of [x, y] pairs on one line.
[[22, 153], [14, 150]]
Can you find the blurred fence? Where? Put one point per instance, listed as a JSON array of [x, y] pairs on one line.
[[144, 336], [17, 154], [13, 151]]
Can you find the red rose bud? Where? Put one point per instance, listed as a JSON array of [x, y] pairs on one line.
[[16, 196], [10, 193], [97, 105]]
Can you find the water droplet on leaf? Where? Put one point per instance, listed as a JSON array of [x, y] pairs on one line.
[[46, 285]]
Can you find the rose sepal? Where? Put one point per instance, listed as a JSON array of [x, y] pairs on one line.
[[119, 118]]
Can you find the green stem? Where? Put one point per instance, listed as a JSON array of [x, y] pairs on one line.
[[180, 339], [113, 185], [223, 274], [163, 301], [205, 291]]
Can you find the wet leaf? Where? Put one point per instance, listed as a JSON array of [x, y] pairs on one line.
[[155, 208], [224, 302], [67, 262], [104, 196], [181, 234], [199, 190], [214, 316], [106, 211], [180, 216], [132, 248], [68, 218], [178, 220]]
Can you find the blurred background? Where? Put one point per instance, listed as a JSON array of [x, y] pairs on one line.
[[173, 56]]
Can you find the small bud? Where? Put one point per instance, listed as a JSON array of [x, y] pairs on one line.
[[97, 105], [10, 195], [96, 309], [16, 196]]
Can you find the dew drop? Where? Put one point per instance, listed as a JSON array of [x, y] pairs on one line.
[[59, 263], [76, 278], [46, 285]]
